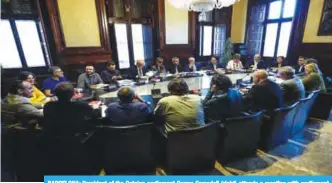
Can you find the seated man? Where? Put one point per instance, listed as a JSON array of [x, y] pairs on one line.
[[65, 116], [17, 101], [159, 67], [292, 86], [180, 110], [128, 111], [176, 67], [51, 82], [110, 75], [213, 65], [138, 71], [88, 79], [264, 94], [222, 101], [191, 67], [257, 63], [299, 69], [235, 64]]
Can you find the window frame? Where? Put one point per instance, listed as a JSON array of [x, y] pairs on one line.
[[279, 21], [35, 16]]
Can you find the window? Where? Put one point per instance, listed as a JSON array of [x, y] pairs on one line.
[[22, 42], [212, 39], [135, 46], [278, 27]]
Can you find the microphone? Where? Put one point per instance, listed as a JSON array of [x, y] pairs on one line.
[[239, 81]]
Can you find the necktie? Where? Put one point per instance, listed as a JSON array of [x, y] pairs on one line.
[[176, 69], [140, 72]]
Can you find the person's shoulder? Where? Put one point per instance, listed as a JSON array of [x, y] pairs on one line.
[[47, 80], [194, 97]]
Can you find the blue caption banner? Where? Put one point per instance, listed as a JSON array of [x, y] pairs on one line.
[[188, 179]]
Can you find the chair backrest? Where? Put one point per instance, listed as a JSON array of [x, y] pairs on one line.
[[322, 106], [275, 130], [303, 112], [242, 138], [191, 150], [127, 149]]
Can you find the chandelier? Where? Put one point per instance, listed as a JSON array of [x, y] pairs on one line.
[[201, 5]]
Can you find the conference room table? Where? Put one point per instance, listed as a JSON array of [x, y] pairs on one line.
[[194, 83]]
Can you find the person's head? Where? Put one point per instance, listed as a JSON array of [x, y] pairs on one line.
[[89, 69], [126, 94], [140, 64], [57, 72], [175, 60], [64, 91], [27, 76], [257, 57], [311, 68], [259, 75], [191, 60], [286, 73], [159, 61], [213, 60], [111, 66], [222, 82], [236, 57], [178, 86], [280, 59], [301, 61], [22, 88], [311, 61]]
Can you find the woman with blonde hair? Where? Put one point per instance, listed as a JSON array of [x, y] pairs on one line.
[[313, 79]]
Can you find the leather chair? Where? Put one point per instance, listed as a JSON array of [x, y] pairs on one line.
[[322, 106], [126, 149], [191, 151], [303, 112], [66, 154], [276, 127], [242, 138]]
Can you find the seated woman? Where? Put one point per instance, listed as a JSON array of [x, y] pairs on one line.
[[222, 101], [313, 80], [38, 98], [235, 64], [280, 62]]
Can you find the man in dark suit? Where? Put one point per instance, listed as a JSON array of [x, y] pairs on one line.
[[222, 101], [257, 63], [138, 71], [176, 67], [299, 69], [264, 95], [191, 67], [292, 87], [213, 65]]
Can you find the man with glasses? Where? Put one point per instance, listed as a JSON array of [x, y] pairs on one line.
[[51, 82]]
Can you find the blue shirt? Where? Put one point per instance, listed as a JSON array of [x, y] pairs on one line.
[[128, 113], [50, 83]]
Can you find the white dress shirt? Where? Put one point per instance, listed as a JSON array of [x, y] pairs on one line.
[[234, 66]]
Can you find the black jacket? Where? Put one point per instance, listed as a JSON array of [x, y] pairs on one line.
[[172, 69], [219, 106], [134, 72], [266, 95], [299, 70]]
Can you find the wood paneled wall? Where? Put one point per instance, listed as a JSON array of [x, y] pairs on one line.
[[79, 55]]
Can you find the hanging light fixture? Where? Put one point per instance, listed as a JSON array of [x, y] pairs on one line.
[[201, 5]]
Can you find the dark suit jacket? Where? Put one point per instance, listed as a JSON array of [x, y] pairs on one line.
[[134, 72], [187, 69], [266, 95], [210, 66], [172, 69], [219, 106], [293, 90], [299, 70], [260, 65]]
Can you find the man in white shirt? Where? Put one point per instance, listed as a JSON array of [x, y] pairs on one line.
[[235, 64]]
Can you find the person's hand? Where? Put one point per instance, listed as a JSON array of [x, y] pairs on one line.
[[213, 88], [243, 90], [114, 77]]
